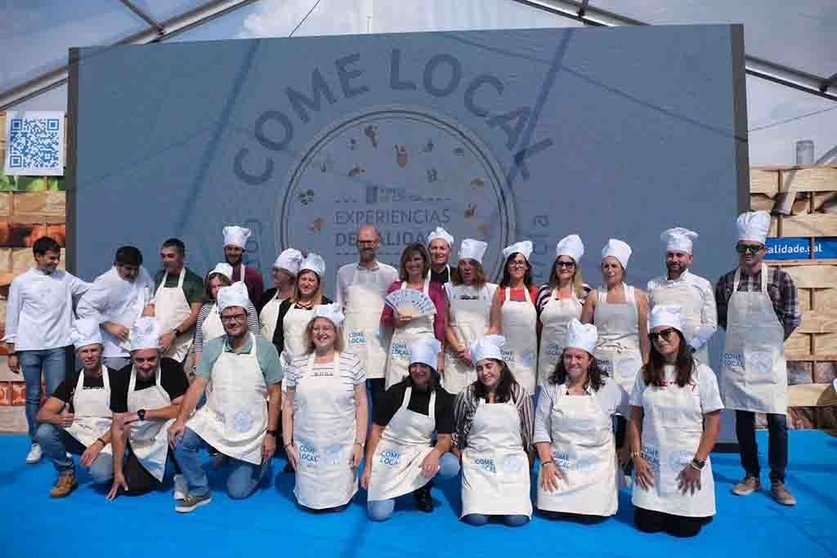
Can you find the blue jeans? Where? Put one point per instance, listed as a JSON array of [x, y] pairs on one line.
[[53, 364], [243, 479], [478, 519], [55, 442], [381, 510]]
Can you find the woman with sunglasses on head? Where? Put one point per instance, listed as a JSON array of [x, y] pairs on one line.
[[513, 314], [558, 302], [469, 297], [284, 272], [675, 418], [573, 433], [413, 269], [208, 325], [493, 434]]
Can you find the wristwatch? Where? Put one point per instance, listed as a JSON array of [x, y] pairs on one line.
[[141, 414], [698, 463], [176, 331], [271, 432]]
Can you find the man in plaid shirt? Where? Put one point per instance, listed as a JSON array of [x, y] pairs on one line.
[[757, 306]]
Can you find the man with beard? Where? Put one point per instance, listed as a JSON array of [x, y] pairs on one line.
[[680, 287], [361, 288], [400, 454], [235, 244], [116, 299], [757, 305]]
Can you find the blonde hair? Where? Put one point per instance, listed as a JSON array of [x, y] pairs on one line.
[[338, 336]]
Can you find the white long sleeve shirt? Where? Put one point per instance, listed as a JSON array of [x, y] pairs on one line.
[[40, 309], [117, 300], [378, 278], [702, 290]]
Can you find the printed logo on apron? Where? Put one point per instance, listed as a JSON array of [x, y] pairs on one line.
[[356, 337], [486, 464], [308, 453], [390, 457], [242, 421]]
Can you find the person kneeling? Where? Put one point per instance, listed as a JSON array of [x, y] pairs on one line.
[[675, 418], [242, 408], [77, 418], [573, 433], [400, 457]]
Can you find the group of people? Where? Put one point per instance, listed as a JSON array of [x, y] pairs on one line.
[[594, 383]]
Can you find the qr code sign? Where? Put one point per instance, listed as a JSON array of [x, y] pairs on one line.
[[34, 143]]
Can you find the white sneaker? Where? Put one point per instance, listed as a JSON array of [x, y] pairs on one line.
[[35, 454], [181, 487]]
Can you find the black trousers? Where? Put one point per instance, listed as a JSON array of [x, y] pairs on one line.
[[650, 521], [138, 479], [575, 517], [777, 444]]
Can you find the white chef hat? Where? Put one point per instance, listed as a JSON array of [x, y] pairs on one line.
[[581, 336], [472, 249], [753, 226], [313, 262], [85, 332], [425, 351], [440, 233], [332, 312], [489, 346], [619, 250], [666, 315], [570, 246], [289, 260], [145, 334], [236, 236], [523, 247], [222, 268], [678, 239], [234, 295]]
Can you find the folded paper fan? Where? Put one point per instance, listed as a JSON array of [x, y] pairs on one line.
[[410, 302]]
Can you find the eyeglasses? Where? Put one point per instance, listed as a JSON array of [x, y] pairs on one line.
[[517, 264], [665, 334], [238, 318], [565, 264], [751, 248], [367, 242]]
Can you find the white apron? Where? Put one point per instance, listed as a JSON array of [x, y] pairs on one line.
[[170, 309], [753, 371], [234, 419], [362, 330], [469, 319], [688, 299], [93, 416], [149, 439], [268, 318], [398, 359], [584, 450], [617, 351], [324, 435], [519, 326], [555, 316], [671, 429], [405, 442], [212, 325], [293, 327], [495, 468]]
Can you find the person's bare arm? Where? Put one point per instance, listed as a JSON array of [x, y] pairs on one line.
[[53, 412], [371, 445], [288, 427], [642, 317], [118, 438], [495, 324], [274, 404], [361, 421], [588, 311]]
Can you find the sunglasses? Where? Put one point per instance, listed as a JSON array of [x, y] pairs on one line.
[[665, 334], [751, 248], [565, 264]]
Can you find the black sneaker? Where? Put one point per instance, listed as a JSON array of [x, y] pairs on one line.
[[190, 502], [423, 500]]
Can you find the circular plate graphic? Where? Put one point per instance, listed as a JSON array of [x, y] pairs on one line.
[[406, 171]]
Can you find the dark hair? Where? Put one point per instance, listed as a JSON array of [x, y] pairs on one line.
[[479, 274], [684, 364], [578, 282], [128, 255], [435, 377], [207, 289], [177, 244], [45, 244], [502, 393], [414, 248], [595, 375], [506, 280], [318, 296]]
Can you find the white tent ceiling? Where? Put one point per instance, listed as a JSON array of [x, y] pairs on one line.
[[788, 42]]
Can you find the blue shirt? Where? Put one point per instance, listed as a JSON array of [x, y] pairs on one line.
[[266, 354]]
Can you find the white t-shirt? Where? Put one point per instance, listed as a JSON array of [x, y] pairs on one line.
[[707, 386], [611, 397], [379, 278], [351, 370]]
